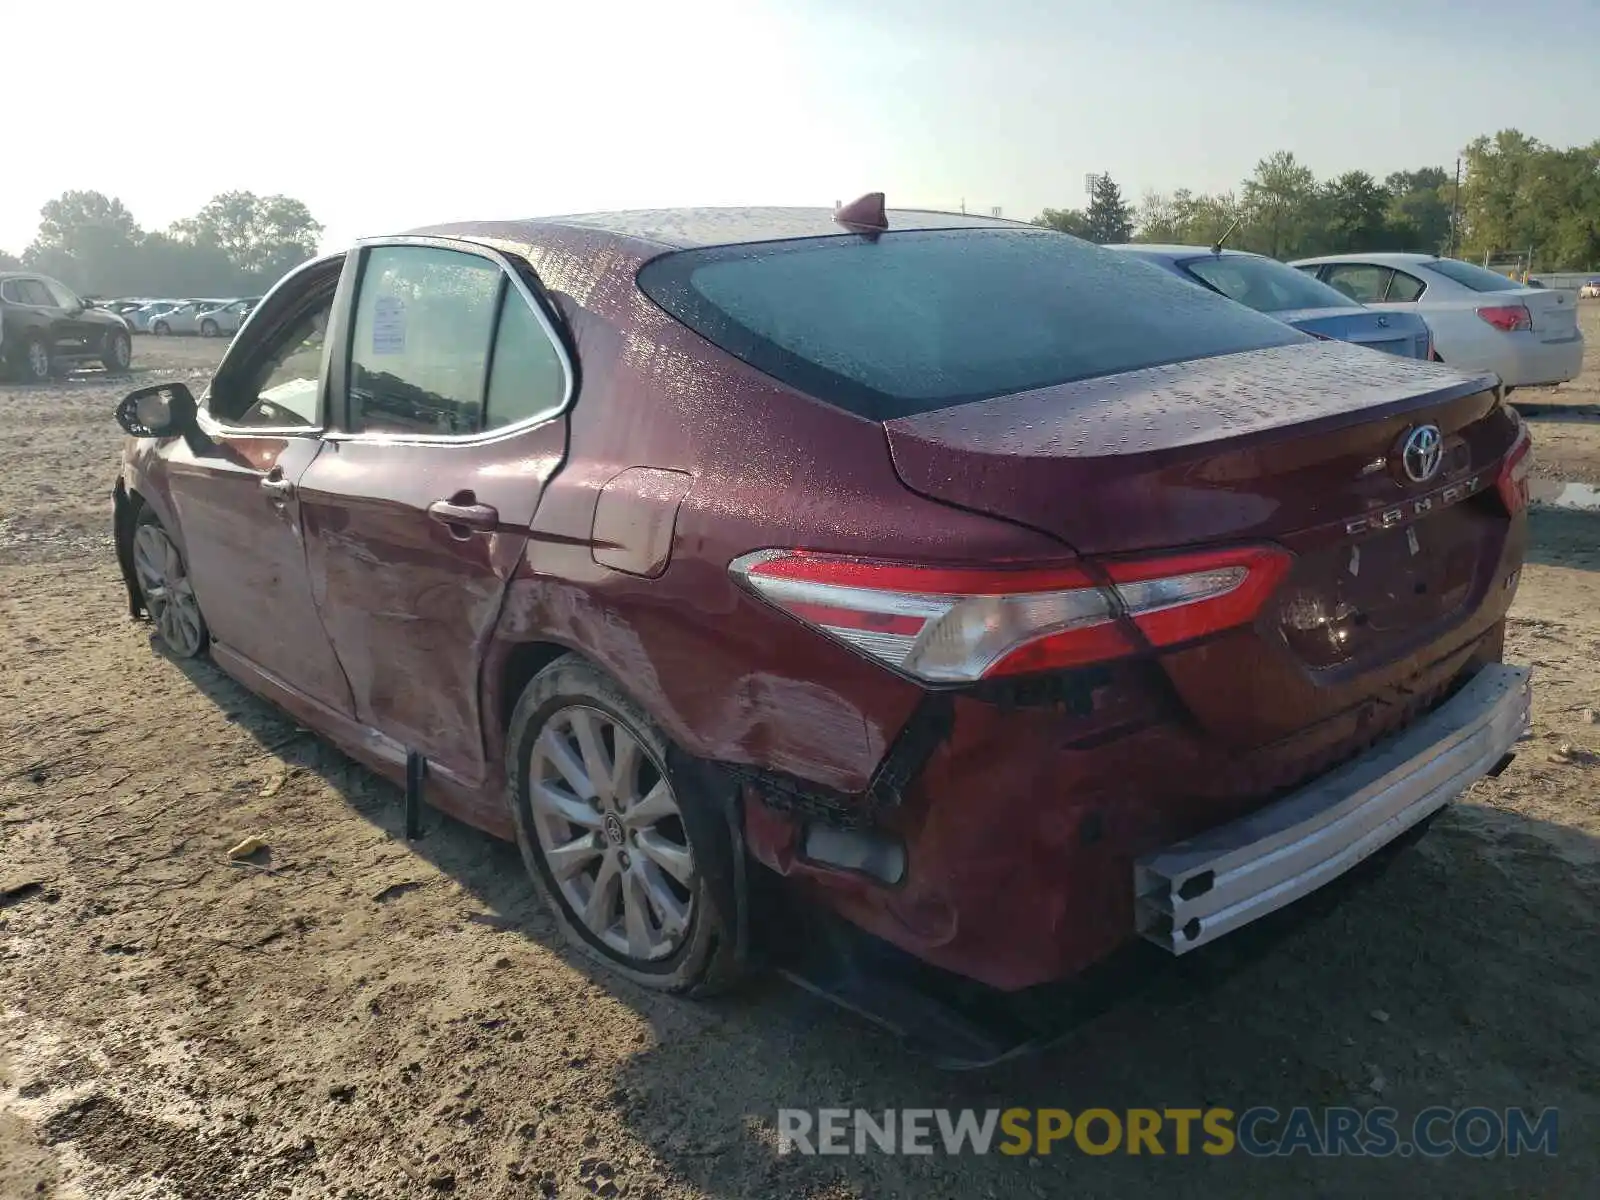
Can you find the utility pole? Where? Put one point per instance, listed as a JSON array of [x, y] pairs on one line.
[[1455, 209]]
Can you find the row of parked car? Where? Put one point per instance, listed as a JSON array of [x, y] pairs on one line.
[[1414, 305], [46, 327], [204, 318]]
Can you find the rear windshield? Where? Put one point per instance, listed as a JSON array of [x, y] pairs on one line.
[[915, 321], [1479, 279], [1265, 284]]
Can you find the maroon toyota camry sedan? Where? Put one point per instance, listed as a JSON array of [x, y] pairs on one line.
[[999, 596]]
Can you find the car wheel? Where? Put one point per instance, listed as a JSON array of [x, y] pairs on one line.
[[161, 329], [604, 828], [208, 329], [119, 351], [34, 363], [165, 588]]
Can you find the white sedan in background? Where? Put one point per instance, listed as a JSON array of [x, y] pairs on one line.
[[1480, 320], [223, 320]]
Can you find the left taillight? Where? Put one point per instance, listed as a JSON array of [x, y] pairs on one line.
[[1512, 482], [1508, 318], [958, 625]]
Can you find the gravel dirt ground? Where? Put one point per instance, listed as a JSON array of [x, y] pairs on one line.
[[360, 1017]]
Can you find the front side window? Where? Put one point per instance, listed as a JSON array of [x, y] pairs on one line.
[[419, 351], [1362, 282], [283, 389]]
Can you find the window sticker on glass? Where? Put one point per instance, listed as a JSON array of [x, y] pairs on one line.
[[388, 325]]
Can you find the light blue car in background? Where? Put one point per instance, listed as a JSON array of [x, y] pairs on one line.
[[1280, 291]]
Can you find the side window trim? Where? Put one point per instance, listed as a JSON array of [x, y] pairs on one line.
[[339, 428]]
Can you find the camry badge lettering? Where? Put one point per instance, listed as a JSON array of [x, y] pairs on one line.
[[1399, 514]]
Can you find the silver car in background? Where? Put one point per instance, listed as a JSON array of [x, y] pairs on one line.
[[140, 318], [185, 317]]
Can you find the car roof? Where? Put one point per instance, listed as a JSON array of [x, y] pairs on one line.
[[1165, 250], [689, 228], [1389, 258]]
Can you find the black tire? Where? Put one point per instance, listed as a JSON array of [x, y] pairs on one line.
[[34, 363], [208, 328], [161, 329], [180, 647], [708, 958], [118, 354]]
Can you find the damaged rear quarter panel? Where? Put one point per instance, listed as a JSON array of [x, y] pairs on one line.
[[728, 677]]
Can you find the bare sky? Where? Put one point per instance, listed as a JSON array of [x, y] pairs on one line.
[[386, 116]]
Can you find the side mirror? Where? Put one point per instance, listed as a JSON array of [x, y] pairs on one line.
[[163, 410]]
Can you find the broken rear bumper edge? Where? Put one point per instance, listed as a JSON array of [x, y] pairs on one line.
[[1196, 891]]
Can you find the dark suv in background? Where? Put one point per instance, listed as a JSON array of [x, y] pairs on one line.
[[44, 327]]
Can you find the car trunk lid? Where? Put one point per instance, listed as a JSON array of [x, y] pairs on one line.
[[1300, 445], [1388, 332], [1554, 314]]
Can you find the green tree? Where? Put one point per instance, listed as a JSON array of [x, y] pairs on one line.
[[262, 236], [1420, 203], [1207, 219], [1159, 217], [84, 239], [1498, 211], [1355, 215], [1109, 219], [1280, 205], [9, 262], [1064, 220]]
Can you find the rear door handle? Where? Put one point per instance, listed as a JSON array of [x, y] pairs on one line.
[[465, 516]]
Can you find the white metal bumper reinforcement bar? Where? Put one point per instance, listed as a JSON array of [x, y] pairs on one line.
[[1195, 891]]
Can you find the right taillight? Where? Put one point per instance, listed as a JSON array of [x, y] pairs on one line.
[[1512, 482], [1508, 318], [958, 625]]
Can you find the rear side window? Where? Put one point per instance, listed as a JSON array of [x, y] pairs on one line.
[[1362, 282], [916, 321], [1479, 279], [1403, 288], [527, 377]]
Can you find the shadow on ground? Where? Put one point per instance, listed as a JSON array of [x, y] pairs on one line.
[[1564, 538]]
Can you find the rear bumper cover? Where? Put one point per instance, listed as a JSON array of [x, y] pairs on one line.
[[1196, 891]]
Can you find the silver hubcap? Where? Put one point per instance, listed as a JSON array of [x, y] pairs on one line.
[[611, 833], [38, 360], [168, 595]]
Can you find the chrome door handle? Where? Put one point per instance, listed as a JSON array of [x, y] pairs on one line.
[[465, 516], [278, 489]]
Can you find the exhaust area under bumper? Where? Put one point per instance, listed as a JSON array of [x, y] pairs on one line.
[[1195, 891]]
